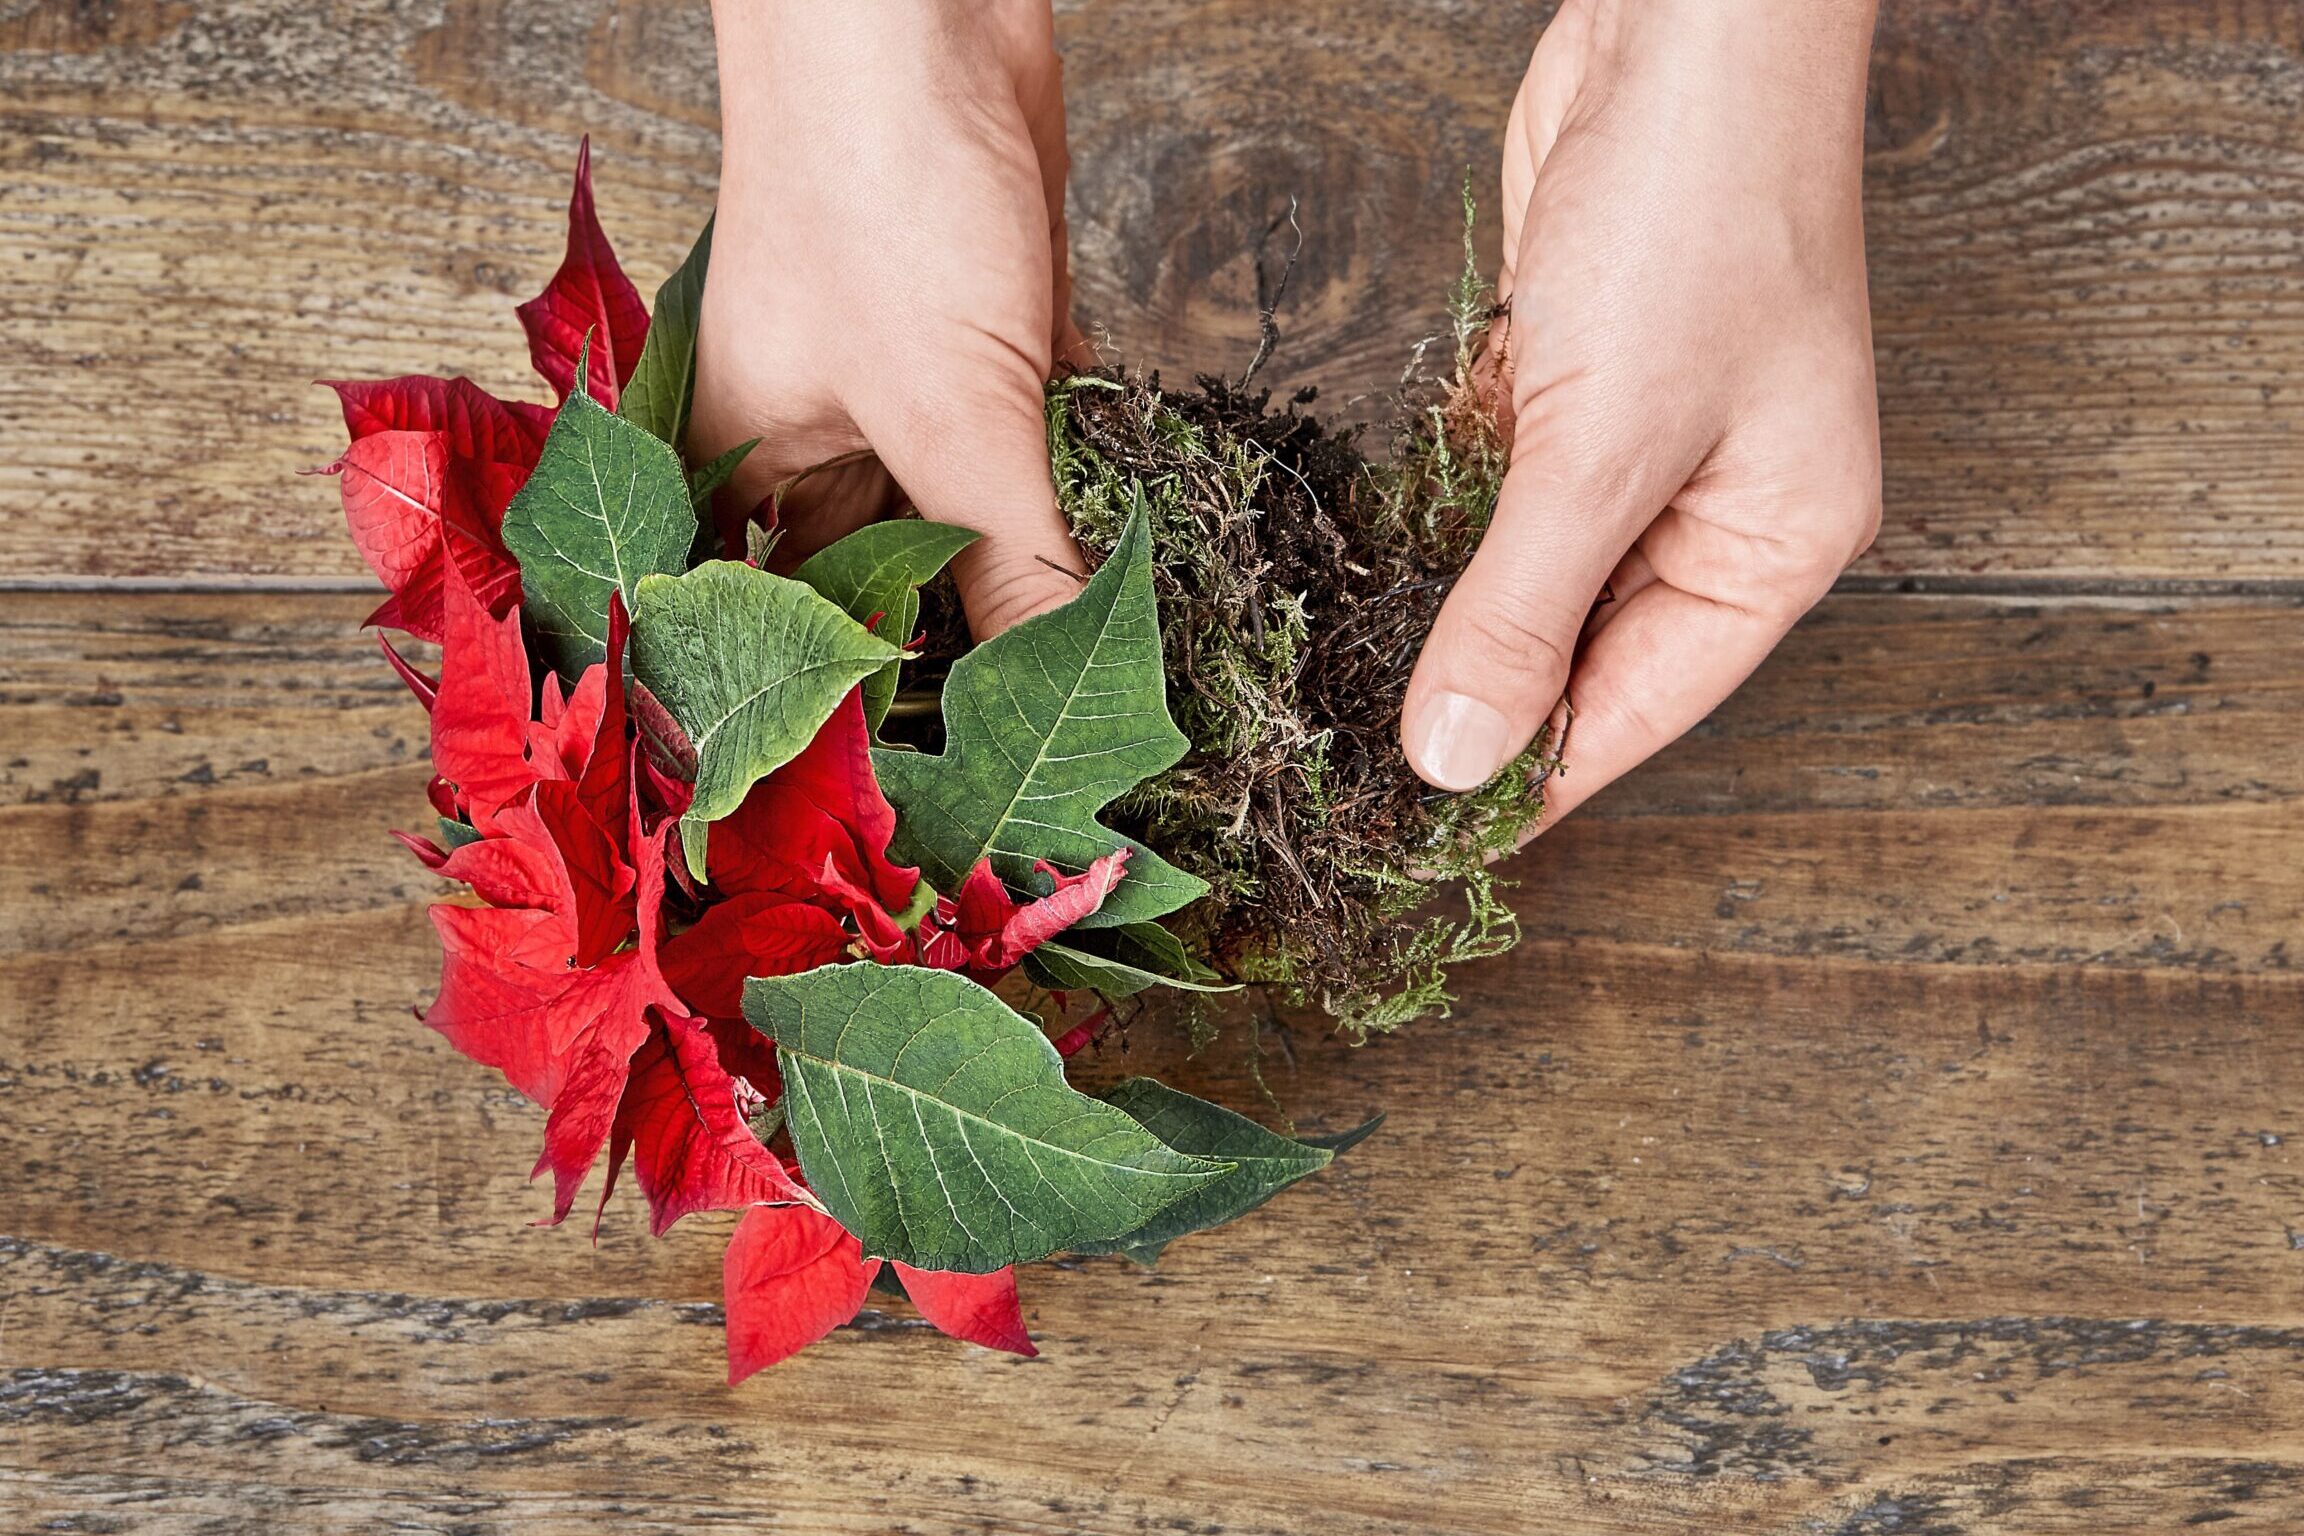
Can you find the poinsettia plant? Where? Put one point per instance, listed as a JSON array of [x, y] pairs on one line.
[[717, 929]]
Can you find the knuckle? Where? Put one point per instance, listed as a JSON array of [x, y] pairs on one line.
[[966, 401], [1508, 643], [1794, 586], [1786, 576], [1000, 595], [1625, 716], [1867, 526]]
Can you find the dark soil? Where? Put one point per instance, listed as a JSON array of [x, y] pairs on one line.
[[1297, 575]]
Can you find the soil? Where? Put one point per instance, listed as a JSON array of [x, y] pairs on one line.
[[1297, 574]]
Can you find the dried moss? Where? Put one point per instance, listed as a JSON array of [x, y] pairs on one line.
[[1298, 574], [1298, 570]]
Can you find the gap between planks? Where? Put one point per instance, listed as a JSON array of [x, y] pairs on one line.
[[1855, 584]]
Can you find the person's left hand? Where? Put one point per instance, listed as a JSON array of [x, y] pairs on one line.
[[1695, 433]]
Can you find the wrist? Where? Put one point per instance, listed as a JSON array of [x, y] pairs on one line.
[[1824, 43], [893, 50], [1779, 84], [833, 23]]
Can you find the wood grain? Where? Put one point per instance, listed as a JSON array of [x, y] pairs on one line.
[[1888, 1127], [2086, 230]]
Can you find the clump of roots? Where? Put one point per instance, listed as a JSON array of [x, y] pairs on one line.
[[1298, 572]]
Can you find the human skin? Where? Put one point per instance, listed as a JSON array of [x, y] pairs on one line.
[[1687, 363], [1690, 393], [888, 274]]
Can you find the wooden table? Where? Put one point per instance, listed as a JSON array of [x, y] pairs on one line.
[[1890, 1126]]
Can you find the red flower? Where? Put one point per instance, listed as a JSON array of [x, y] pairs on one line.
[[756, 935], [792, 1275], [565, 977], [434, 462], [817, 830], [986, 932], [812, 838], [589, 295], [683, 1119], [431, 467], [540, 983]]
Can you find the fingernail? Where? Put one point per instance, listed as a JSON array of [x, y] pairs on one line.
[[1462, 741]]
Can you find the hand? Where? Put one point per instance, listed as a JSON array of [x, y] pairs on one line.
[[1690, 382], [888, 274]]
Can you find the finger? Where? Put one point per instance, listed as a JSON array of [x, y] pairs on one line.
[[1533, 126], [976, 454], [1070, 348], [819, 505], [1517, 186], [1073, 348], [1632, 574], [815, 491], [1040, 98], [1662, 664], [1498, 656]]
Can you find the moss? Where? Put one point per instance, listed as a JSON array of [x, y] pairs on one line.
[[1297, 573], [1299, 565]]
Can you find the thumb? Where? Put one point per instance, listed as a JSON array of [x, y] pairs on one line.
[[976, 454], [1497, 660]]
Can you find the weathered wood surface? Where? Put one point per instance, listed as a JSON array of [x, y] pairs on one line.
[[1889, 1127], [2086, 221]]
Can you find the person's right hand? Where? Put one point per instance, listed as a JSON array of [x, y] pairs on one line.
[[888, 274]]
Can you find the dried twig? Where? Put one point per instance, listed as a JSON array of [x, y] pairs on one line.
[[1268, 299]]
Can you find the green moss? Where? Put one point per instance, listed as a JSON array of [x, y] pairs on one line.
[[1297, 574]]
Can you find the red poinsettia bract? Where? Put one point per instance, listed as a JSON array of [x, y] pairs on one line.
[[434, 462], [430, 469], [609, 1001], [792, 1275], [589, 295]]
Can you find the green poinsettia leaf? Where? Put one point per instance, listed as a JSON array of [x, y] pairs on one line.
[[607, 505], [760, 540], [1263, 1163], [878, 569], [708, 477], [704, 481], [1120, 962], [749, 665], [1046, 724], [455, 834], [1341, 1142], [664, 380], [934, 1122]]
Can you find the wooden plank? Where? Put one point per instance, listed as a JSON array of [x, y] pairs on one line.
[[1688, 1226], [2114, 772], [1875, 703], [2049, 1497], [2085, 224], [2087, 301], [1840, 1162]]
